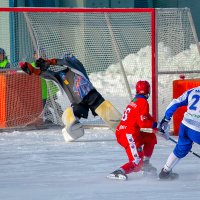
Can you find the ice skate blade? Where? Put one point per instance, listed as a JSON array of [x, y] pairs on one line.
[[119, 177]]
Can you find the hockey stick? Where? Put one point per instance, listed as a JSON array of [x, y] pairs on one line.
[[174, 141]]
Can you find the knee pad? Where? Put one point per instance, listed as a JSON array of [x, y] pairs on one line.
[[68, 117], [73, 132], [109, 114]]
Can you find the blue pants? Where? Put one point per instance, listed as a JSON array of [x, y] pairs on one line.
[[186, 138]]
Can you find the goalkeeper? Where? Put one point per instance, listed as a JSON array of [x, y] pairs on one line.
[[74, 81]]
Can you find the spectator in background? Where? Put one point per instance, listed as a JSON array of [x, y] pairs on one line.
[[4, 63]]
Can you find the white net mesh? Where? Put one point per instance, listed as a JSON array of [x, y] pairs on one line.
[[106, 43], [177, 52]]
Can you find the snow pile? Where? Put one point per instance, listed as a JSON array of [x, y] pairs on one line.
[[138, 66]]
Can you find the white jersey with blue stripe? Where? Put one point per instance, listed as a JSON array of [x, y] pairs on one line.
[[191, 99]]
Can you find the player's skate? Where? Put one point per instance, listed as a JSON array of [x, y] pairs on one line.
[[168, 175], [118, 174], [149, 169]]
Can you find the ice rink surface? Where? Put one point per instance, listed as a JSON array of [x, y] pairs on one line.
[[39, 165]]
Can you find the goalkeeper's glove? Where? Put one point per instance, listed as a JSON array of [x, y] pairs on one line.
[[45, 64], [26, 67], [163, 128], [42, 64]]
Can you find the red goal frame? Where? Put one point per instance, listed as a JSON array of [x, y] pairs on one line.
[[152, 11]]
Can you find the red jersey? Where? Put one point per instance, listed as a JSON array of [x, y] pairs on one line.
[[136, 116]]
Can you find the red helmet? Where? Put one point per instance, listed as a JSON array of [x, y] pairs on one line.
[[143, 87]]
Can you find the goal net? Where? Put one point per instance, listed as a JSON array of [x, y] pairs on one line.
[[118, 47]]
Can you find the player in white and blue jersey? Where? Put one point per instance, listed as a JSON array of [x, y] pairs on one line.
[[189, 131]]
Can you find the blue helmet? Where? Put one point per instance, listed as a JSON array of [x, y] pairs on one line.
[[2, 51]]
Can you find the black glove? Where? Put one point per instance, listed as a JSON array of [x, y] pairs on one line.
[[42, 64], [163, 125], [26, 67], [155, 124]]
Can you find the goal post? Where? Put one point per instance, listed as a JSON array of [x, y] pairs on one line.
[[117, 46]]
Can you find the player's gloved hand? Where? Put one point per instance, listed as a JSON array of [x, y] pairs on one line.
[[42, 64], [155, 124], [164, 127], [26, 67]]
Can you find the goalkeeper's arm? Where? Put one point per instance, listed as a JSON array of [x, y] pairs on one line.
[[29, 69], [41, 65]]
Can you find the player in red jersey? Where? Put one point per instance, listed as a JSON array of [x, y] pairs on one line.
[[132, 135]]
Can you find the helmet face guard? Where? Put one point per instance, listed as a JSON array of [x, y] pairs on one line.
[[143, 87]]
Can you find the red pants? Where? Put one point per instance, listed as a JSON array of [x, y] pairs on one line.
[[137, 146]]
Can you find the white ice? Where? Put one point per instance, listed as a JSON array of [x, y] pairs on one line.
[[39, 165]]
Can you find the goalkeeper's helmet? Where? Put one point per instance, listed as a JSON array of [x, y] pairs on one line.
[[143, 87]]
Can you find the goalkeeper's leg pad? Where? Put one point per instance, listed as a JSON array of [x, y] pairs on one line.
[[109, 114], [68, 117], [73, 128], [73, 132]]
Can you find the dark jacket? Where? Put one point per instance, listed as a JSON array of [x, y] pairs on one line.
[[73, 80]]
